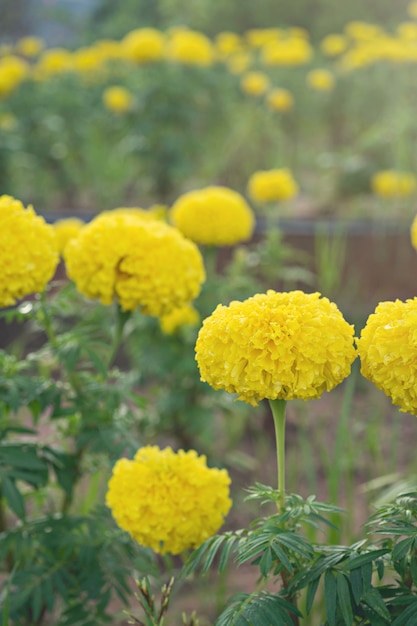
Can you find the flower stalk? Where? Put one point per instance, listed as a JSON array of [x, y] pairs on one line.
[[278, 408]]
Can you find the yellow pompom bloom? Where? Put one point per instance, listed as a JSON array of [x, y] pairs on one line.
[[186, 315], [143, 214], [388, 352], [190, 47], [320, 80], [143, 45], [292, 51], [28, 251], [168, 501], [117, 99], [362, 31], [228, 43], [332, 45], [53, 62], [214, 216], [393, 184], [272, 185], [276, 346], [279, 99], [65, 230], [13, 70], [138, 262], [30, 46], [258, 37], [254, 83]]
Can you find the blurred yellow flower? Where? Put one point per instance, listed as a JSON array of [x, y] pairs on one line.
[[52, 62], [138, 262], [320, 80], [407, 31], [393, 184], [272, 185], [143, 45], [279, 99], [228, 43], [412, 9], [168, 501], [388, 352], [28, 251], [258, 37], [30, 46], [276, 346], [292, 51], [13, 70], [186, 315], [414, 233], [190, 47], [65, 230], [332, 45], [118, 99], [239, 62], [254, 83], [362, 30], [215, 216]]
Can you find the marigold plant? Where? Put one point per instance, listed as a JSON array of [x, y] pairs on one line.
[[215, 216], [28, 251], [277, 346], [139, 263], [393, 184], [272, 185], [388, 352], [168, 501]]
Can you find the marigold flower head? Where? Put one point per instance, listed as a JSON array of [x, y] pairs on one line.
[[215, 216], [138, 262], [333, 45], [28, 251], [52, 62], [279, 99], [13, 70], [320, 80], [393, 184], [254, 83], [65, 230], [143, 45], [287, 52], [30, 46], [228, 43], [388, 352], [272, 185], [413, 232], [168, 501], [190, 47], [277, 346], [117, 99], [186, 315]]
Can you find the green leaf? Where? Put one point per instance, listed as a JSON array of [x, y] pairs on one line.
[[228, 546], [330, 597], [311, 594], [374, 600], [402, 548], [407, 617], [356, 583], [214, 547], [344, 600], [12, 496]]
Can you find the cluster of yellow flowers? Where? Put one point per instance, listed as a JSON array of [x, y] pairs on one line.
[[28, 251], [272, 185], [214, 216], [168, 501], [140, 262], [388, 352], [393, 184], [277, 346]]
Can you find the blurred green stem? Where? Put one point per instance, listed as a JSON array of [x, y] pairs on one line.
[[278, 412], [121, 319]]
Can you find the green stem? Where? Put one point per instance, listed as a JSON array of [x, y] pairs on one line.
[[121, 319], [3, 529], [278, 412]]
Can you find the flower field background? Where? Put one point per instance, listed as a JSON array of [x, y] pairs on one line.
[[208, 315]]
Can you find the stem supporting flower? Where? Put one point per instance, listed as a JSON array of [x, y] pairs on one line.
[[278, 408]]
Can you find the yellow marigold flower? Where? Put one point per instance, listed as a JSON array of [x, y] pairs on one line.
[[258, 37], [414, 233], [30, 46], [293, 51], [407, 31], [393, 184], [228, 43], [186, 315], [141, 263], [320, 80], [144, 214], [143, 45], [28, 251], [388, 352], [277, 346], [362, 31], [53, 62], [190, 47], [332, 45], [214, 216], [254, 83], [88, 61], [272, 185], [117, 99], [168, 501], [13, 70], [279, 99], [65, 230]]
